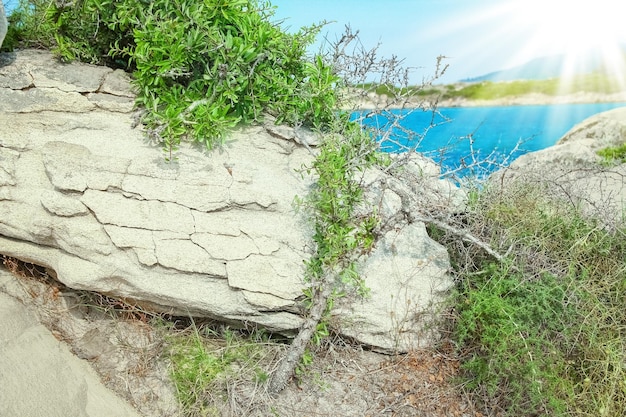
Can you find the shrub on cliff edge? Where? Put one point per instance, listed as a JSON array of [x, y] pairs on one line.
[[200, 67]]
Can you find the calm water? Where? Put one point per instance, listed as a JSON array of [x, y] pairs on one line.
[[486, 129]]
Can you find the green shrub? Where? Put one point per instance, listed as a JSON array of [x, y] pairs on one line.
[[83, 30], [513, 326], [613, 155], [545, 332], [201, 67]]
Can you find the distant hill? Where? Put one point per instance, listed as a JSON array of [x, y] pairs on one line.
[[544, 68]]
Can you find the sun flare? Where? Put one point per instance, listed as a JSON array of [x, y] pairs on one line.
[[576, 25], [588, 35], [580, 30]]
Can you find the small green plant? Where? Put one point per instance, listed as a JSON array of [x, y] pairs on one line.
[[203, 360], [613, 155], [340, 236]]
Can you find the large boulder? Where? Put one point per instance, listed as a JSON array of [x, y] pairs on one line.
[[573, 170], [84, 193]]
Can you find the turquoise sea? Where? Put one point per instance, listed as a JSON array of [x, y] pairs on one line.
[[449, 134]]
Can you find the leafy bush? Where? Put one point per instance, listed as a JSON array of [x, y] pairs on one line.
[[513, 326], [79, 30], [545, 332], [200, 67]]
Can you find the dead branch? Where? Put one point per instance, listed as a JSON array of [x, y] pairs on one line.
[[287, 366], [468, 237]]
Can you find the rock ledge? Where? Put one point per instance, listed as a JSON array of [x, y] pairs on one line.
[[83, 193]]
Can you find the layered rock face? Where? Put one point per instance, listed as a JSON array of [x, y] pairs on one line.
[[84, 193]]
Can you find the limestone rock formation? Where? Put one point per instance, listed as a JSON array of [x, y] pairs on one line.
[[85, 194], [573, 169]]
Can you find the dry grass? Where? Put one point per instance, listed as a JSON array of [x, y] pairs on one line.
[[543, 333]]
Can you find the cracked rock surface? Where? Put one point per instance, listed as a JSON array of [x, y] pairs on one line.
[[85, 194], [35, 82]]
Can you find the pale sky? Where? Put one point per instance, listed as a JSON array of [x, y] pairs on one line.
[[477, 36]]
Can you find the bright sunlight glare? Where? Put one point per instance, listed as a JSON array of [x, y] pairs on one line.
[[579, 29], [576, 25], [585, 33]]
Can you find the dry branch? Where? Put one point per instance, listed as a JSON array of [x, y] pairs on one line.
[[287, 366]]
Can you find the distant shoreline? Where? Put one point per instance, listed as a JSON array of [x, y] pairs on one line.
[[381, 101], [538, 99]]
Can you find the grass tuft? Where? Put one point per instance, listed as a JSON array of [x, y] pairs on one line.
[[613, 155], [204, 361]]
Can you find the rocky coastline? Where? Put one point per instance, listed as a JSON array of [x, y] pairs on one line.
[[377, 101], [90, 202]]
